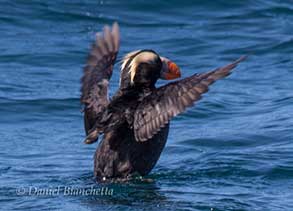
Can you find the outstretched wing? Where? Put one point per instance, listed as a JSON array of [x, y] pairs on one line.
[[97, 73], [158, 108]]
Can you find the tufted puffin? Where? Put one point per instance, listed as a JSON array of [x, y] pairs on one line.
[[134, 124]]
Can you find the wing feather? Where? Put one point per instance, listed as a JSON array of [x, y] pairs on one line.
[[156, 110], [97, 73]]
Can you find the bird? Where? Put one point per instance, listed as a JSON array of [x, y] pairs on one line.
[[133, 125]]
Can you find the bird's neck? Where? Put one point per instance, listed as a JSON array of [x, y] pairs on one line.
[[134, 92]]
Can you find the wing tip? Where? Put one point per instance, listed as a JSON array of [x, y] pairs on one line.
[[227, 69], [241, 59], [115, 25], [116, 35]]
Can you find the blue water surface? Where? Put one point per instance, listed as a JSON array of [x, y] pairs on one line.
[[232, 151]]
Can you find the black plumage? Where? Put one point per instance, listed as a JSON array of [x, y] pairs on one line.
[[135, 122]]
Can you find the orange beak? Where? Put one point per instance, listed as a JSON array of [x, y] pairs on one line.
[[169, 70]]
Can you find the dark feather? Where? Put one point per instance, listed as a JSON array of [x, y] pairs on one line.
[[97, 73], [172, 99]]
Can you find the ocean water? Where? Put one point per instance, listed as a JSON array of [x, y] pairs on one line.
[[232, 151]]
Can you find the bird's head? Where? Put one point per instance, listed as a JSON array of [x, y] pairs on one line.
[[145, 67]]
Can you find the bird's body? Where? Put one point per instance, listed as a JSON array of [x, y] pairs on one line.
[[135, 122], [119, 155], [127, 157]]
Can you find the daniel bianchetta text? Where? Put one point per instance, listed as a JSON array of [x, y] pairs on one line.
[[65, 190]]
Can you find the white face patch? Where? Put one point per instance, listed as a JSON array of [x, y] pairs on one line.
[[145, 56]]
